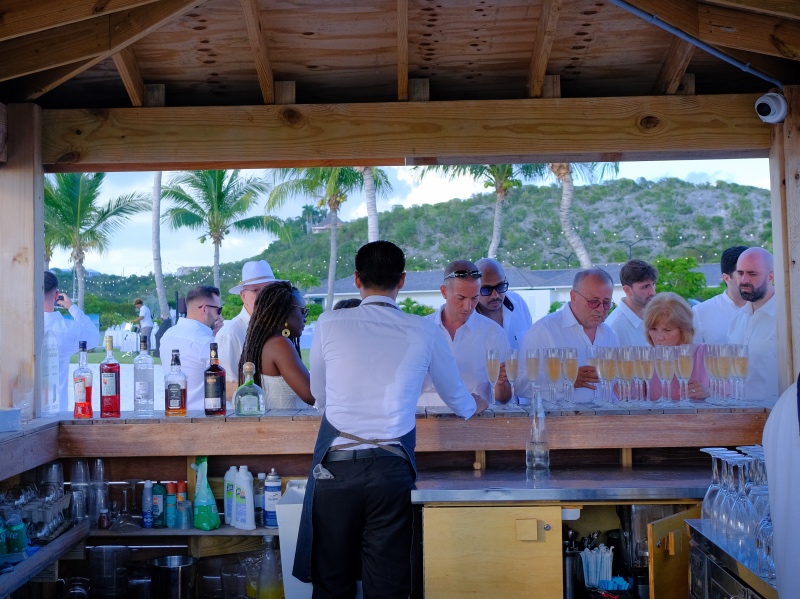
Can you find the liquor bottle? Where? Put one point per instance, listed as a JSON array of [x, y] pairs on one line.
[[109, 383], [249, 399], [82, 383], [143, 385], [175, 388], [214, 386], [537, 450]]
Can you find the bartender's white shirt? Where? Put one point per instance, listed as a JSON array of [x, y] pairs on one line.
[[193, 340], [367, 368], [561, 329], [712, 319], [759, 332], [230, 341], [469, 346], [628, 327], [147, 319], [68, 334], [782, 453]]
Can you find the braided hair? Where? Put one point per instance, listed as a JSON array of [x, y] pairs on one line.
[[271, 310]]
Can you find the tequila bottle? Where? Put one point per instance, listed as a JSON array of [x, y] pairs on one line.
[[249, 399]]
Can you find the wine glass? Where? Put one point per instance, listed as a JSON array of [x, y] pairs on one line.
[[740, 368], [646, 364], [492, 370], [569, 370], [592, 360], [725, 371], [512, 370], [710, 362], [627, 367], [553, 369], [665, 367], [684, 361], [714, 487]]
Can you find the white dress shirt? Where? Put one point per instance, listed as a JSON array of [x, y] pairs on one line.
[[782, 456], [759, 332], [68, 334], [561, 329], [368, 364], [469, 347], [712, 319], [147, 319], [230, 339], [516, 322], [192, 339], [628, 327]]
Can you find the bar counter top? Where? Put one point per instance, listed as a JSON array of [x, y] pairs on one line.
[[581, 484]]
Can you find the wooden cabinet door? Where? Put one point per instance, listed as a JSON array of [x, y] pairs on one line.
[[483, 552], [668, 546]]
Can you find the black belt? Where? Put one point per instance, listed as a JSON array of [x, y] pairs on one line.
[[343, 455]]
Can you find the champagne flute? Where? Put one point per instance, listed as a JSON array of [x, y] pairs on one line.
[[592, 360], [684, 360], [709, 352], [740, 367], [725, 371], [608, 372], [627, 370], [569, 370], [532, 362], [665, 367], [646, 364], [512, 369], [553, 368], [492, 370]]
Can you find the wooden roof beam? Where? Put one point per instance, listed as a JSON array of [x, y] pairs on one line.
[[402, 50], [124, 29], [674, 67], [542, 44], [23, 17], [540, 130], [258, 43], [131, 74], [788, 9]]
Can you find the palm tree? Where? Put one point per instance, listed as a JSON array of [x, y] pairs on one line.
[[330, 186], [590, 172], [369, 173], [501, 177], [158, 273], [79, 223], [216, 202]]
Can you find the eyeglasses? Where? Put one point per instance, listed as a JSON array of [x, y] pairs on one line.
[[499, 288], [595, 304], [463, 274], [303, 311], [218, 308]]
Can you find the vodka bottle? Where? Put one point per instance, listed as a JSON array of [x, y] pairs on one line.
[[537, 450], [143, 386]]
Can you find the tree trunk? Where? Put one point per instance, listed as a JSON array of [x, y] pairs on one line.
[[80, 271], [216, 265], [564, 173], [497, 228], [372, 207], [161, 291], [332, 262]]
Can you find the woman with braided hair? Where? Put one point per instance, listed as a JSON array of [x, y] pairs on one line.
[[272, 344]]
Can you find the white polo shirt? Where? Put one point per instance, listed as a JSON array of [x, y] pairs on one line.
[[193, 339], [759, 331], [628, 327], [712, 319]]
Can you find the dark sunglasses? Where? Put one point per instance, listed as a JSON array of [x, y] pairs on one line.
[[218, 308], [463, 274], [487, 290]]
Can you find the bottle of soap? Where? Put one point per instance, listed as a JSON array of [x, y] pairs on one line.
[[229, 482], [243, 502]]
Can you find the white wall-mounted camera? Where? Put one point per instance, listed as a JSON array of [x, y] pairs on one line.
[[772, 108]]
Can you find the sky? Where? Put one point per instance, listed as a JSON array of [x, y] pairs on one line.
[[130, 252]]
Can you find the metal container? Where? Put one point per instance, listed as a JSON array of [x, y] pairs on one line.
[[108, 570], [173, 577]]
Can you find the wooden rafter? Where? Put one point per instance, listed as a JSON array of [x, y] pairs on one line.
[[23, 17], [744, 30], [402, 50], [542, 44], [568, 129], [131, 74], [789, 9], [678, 13], [674, 67], [258, 43], [123, 28]]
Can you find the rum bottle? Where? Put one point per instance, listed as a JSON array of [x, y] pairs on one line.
[[109, 383], [175, 388], [214, 387], [82, 384], [249, 399], [143, 384]]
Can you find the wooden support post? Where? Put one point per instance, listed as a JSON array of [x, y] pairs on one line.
[[22, 253], [419, 90], [626, 457], [285, 92], [155, 94], [480, 459]]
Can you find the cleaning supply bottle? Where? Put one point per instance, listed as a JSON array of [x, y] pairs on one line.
[[258, 498], [270, 579], [147, 504], [230, 477], [243, 503], [170, 505], [206, 516], [159, 492], [272, 493], [181, 491]]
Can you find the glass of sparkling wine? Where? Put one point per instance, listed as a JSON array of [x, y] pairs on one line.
[[592, 360], [492, 370], [627, 370], [740, 367], [684, 360], [569, 370], [646, 366], [725, 371], [708, 361], [608, 372], [553, 368], [512, 370], [665, 367], [532, 369]]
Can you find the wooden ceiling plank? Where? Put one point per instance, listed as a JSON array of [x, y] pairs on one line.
[[258, 44], [155, 94], [285, 92], [402, 50], [789, 9], [131, 74], [674, 67], [23, 17], [678, 13], [594, 129], [744, 30], [542, 44]]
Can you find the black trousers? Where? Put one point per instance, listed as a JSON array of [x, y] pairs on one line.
[[363, 529]]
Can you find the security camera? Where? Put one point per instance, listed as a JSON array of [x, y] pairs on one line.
[[771, 108]]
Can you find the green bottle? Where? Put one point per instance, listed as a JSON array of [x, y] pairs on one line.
[[159, 515]]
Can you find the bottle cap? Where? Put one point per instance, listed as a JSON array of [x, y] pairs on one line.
[[171, 488], [181, 486], [81, 345], [262, 475], [249, 368], [103, 510], [148, 484]]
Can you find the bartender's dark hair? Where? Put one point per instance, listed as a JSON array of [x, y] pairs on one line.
[[50, 281], [271, 310], [637, 271], [380, 265], [730, 257]]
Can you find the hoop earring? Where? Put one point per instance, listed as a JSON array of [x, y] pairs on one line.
[[286, 332]]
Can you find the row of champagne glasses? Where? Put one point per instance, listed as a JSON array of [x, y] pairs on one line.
[[727, 367]]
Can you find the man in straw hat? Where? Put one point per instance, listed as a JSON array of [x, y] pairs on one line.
[[255, 276]]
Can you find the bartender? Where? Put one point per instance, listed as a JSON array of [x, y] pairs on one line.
[[367, 368]]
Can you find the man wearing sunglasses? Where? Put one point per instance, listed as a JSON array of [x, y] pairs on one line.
[[469, 334], [504, 307], [192, 336]]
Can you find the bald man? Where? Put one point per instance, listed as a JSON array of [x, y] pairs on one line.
[[497, 303], [755, 324]]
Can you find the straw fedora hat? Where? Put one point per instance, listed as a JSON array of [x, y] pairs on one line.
[[254, 273]]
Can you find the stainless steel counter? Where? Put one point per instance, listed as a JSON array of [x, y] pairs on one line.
[[562, 484]]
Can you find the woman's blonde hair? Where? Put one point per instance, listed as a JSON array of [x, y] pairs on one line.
[[669, 308]]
